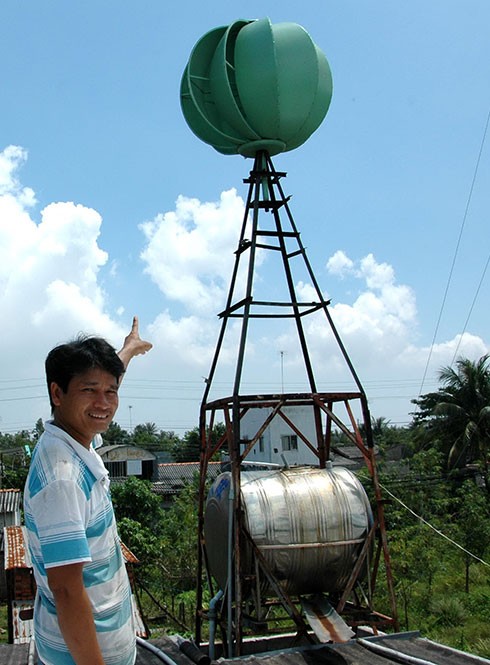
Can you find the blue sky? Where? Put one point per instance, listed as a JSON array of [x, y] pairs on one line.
[[103, 189]]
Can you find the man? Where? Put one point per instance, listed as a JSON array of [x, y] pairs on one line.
[[82, 610]]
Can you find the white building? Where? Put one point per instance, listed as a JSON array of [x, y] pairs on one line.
[[281, 444]]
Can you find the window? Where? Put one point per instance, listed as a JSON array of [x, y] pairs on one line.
[[261, 444], [289, 442], [116, 469]]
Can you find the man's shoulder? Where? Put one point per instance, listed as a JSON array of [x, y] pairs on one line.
[[54, 460], [52, 447]]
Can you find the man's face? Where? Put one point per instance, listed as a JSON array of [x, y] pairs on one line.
[[88, 406]]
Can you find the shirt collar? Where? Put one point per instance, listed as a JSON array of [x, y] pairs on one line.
[[89, 457]]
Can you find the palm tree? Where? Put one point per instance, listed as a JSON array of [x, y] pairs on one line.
[[457, 416], [145, 435]]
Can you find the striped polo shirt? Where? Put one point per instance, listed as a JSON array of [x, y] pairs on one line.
[[70, 519]]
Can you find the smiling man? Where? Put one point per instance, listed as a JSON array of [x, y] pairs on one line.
[[83, 610]]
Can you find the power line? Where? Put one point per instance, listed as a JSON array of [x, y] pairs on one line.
[[456, 251], [439, 533], [471, 308]]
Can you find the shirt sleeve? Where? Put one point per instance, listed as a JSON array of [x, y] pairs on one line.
[[59, 513]]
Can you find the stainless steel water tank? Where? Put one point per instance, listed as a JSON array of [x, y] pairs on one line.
[[309, 523]]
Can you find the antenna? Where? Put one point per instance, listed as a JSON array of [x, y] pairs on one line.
[[282, 371]]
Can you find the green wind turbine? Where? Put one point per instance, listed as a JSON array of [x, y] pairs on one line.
[[256, 86]]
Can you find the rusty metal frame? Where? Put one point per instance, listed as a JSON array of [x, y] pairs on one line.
[[265, 194]]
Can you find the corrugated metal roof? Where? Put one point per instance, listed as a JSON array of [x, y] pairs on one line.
[[10, 500], [128, 555], [14, 654], [172, 476], [122, 452], [408, 648], [16, 551]]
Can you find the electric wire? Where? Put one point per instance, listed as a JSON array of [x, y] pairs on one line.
[[471, 309], [439, 533], [456, 252]]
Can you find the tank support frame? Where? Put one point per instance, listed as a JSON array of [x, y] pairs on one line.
[[265, 195]]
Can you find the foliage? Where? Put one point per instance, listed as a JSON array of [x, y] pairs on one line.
[[482, 648], [134, 499], [15, 453], [188, 450], [440, 590], [164, 541], [144, 435], [179, 543], [472, 524], [456, 418], [144, 544], [147, 436], [115, 435], [432, 575], [449, 611]]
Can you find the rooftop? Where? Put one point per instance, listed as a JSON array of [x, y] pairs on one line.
[[408, 648]]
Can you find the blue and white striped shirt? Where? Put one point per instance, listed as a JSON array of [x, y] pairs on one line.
[[70, 519]]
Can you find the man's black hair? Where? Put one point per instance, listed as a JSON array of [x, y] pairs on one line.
[[76, 357]]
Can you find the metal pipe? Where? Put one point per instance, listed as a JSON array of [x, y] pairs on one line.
[[393, 654], [188, 648], [212, 613], [156, 651], [231, 499], [32, 652], [458, 652]]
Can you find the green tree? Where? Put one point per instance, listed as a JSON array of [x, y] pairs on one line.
[[133, 499], [168, 440], [15, 453], [179, 542], [38, 429], [456, 418], [144, 544], [473, 524], [115, 435], [188, 450], [146, 436]]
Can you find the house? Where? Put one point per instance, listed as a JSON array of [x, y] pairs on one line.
[[172, 477], [280, 444], [125, 460], [21, 585], [10, 504]]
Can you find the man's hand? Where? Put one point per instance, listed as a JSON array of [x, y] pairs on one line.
[[133, 344]]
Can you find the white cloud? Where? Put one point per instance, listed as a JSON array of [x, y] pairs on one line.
[[189, 252], [339, 264], [50, 289], [10, 160], [190, 339], [49, 275], [382, 319]]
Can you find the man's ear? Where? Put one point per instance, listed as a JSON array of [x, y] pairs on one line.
[[55, 391]]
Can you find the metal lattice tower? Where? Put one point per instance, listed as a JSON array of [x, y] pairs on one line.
[[268, 226]]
